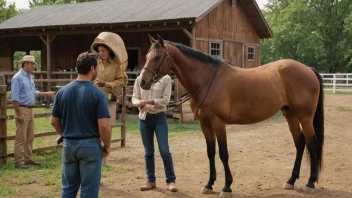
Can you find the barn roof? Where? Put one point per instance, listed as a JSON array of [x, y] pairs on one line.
[[109, 12]]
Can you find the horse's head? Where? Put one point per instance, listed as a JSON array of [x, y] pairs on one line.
[[155, 65]]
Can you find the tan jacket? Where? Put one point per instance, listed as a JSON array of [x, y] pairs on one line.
[[113, 72], [113, 75]]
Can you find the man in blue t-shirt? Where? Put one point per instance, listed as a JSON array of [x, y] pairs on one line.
[[81, 115]]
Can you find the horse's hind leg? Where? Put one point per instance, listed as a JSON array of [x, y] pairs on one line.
[[300, 142], [312, 145], [210, 140]]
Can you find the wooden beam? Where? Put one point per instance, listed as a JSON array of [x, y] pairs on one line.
[[48, 60], [42, 38], [123, 118], [243, 64], [194, 41], [189, 35], [38, 150], [137, 28], [38, 115], [54, 37], [44, 134]]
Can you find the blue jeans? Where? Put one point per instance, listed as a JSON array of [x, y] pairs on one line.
[[157, 123], [81, 167]]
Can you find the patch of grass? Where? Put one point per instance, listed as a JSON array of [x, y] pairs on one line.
[[6, 190], [49, 173], [341, 108], [277, 115], [339, 92], [132, 126]]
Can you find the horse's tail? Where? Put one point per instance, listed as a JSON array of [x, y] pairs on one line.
[[318, 123]]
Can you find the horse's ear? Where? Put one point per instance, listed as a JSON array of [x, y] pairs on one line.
[[161, 41], [151, 39]]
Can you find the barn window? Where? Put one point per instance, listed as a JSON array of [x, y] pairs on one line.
[[233, 3], [251, 53], [215, 48]]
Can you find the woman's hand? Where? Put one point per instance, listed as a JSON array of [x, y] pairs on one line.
[[141, 104]]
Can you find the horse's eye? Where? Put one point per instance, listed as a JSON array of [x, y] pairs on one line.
[[156, 58]]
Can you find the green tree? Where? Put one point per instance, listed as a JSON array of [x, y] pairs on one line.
[[314, 32], [7, 10], [33, 3]]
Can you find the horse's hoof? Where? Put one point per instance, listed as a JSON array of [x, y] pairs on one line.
[[288, 186], [225, 194], [308, 190], [206, 190]]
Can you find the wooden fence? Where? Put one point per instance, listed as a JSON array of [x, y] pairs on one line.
[[60, 78], [337, 82], [3, 122]]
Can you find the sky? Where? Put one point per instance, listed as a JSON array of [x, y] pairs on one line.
[[24, 3]]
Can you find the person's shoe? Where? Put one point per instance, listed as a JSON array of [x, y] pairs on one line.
[[148, 186], [32, 162], [21, 166], [171, 187]]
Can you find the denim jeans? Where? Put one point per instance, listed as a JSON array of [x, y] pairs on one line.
[[81, 167], [156, 123]]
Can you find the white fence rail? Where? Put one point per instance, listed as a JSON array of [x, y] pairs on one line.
[[337, 82]]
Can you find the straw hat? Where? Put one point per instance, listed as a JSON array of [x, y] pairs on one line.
[[28, 59]]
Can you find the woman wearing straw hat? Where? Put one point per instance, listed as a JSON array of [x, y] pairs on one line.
[[111, 69], [23, 94]]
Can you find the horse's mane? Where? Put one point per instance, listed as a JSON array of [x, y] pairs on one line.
[[192, 53]]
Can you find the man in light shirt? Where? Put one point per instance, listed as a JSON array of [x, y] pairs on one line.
[[152, 118], [23, 94]]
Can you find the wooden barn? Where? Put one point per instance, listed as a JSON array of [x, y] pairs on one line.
[[230, 29]]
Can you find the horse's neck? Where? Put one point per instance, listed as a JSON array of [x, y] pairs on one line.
[[190, 72]]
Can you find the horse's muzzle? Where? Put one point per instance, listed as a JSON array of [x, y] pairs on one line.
[[145, 84]]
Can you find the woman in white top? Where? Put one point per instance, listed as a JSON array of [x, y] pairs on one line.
[[152, 119]]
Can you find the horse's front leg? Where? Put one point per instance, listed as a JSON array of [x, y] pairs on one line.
[[210, 139], [220, 129]]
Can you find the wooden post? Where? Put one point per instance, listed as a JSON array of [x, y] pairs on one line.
[[334, 84], [123, 118], [48, 60], [3, 122]]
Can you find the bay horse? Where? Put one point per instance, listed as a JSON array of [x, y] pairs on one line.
[[223, 94]]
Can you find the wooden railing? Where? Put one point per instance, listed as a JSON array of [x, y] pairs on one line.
[[3, 124]]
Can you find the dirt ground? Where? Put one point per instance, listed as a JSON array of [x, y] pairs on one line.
[[261, 160]]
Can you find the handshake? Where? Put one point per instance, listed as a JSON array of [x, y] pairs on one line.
[[59, 139]]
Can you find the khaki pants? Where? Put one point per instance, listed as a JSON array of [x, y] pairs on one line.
[[112, 111], [24, 136]]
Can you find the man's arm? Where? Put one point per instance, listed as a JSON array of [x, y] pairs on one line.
[[51, 94], [105, 134], [16, 107], [56, 123], [104, 124], [15, 92]]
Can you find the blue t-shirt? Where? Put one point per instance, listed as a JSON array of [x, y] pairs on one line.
[[79, 105]]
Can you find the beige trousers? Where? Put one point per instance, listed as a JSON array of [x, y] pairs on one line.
[[24, 136], [112, 111]]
